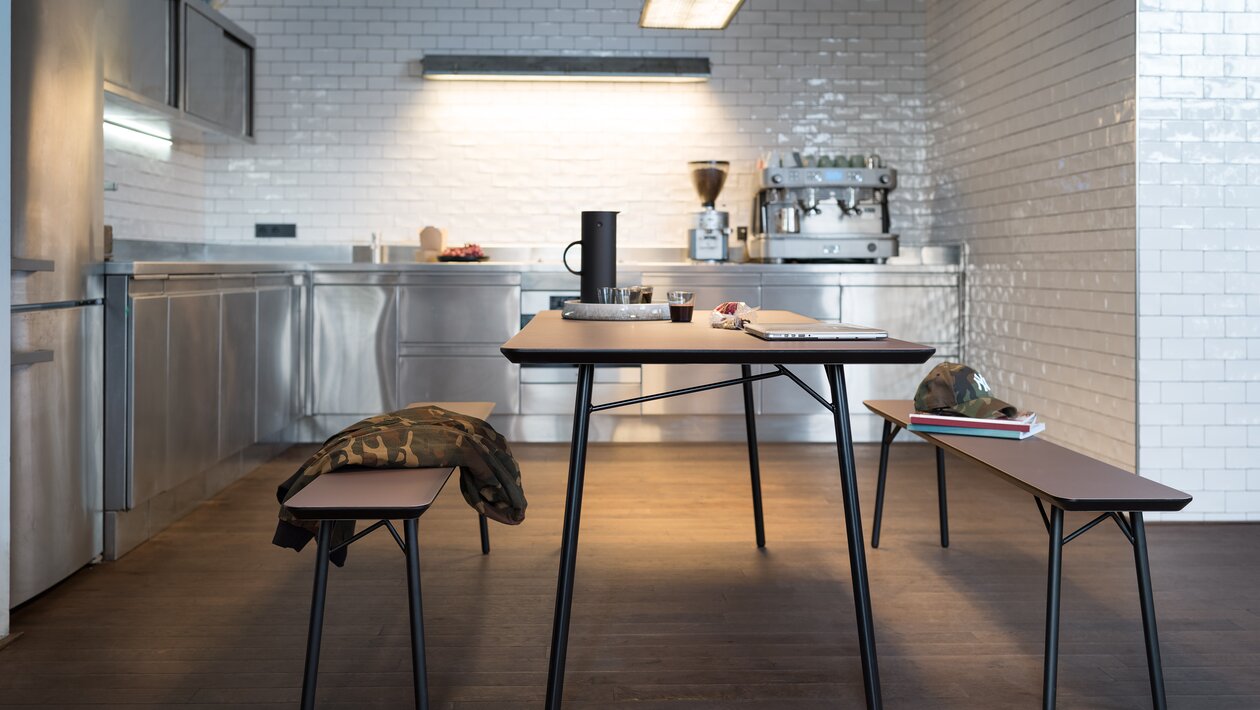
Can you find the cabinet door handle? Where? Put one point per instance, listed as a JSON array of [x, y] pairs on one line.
[[21, 263], [29, 357]]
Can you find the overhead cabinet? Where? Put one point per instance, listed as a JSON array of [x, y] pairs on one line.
[[177, 67]]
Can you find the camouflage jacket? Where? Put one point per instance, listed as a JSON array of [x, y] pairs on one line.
[[423, 437]]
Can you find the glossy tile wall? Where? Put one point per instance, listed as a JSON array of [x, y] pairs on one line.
[[1199, 253], [349, 143], [160, 188], [1033, 170]]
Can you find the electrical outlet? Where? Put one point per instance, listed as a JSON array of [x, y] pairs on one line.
[[267, 231]]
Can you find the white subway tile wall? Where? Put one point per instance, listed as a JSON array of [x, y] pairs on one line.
[[160, 188], [1199, 253], [1033, 170], [349, 143]]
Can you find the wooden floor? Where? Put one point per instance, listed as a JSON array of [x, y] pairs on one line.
[[675, 607]]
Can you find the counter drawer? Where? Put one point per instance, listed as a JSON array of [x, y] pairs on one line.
[[457, 377], [556, 398], [458, 314]]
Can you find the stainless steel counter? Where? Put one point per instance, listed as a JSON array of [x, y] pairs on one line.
[[186, 268]]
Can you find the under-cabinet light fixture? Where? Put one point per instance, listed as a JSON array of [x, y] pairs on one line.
[[483, 67], [136, 131], [688, 14]]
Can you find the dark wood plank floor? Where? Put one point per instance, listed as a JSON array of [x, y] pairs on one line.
[[675, 607]]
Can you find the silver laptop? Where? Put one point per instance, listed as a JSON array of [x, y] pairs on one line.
[[814, 331]]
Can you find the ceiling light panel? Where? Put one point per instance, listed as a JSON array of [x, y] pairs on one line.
[[688, 14]]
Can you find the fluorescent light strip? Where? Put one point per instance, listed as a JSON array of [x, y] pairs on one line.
[[139, 131], [688, 14], [477, 67]]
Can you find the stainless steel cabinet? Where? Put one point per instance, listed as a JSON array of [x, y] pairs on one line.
[[279, 402], [450, 328], [148, 401], [238, 371], [355, 349], [192, 386], [56, 448], [218, 72], [710, 290], [459, 313], [816, 296], [434, 373], [137, 40], [923, 308]]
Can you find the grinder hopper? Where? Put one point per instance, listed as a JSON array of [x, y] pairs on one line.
[[708, 176]]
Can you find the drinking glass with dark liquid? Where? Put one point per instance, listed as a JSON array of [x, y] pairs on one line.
[[681, 305]]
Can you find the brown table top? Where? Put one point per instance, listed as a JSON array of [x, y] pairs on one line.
[[1070, 480], [548, 338]]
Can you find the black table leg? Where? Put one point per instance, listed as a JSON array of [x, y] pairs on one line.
[[754, 465], [1054, 583], [853, 532], [315, 631], [1153, 663], [415, 609], [569, 541], [884, 443], [940, 496], [485, 534]]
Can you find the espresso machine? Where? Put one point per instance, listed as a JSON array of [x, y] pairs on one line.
[[708, 241], [836, 211]]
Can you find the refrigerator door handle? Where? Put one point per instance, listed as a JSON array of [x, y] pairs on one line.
[[21, 263], [29, 357]]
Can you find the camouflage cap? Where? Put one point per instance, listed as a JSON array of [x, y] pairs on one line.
[[951, 388]]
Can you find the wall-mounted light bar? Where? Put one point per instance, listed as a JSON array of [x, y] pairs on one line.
[[136, 131], [481, 67], [688, 14]]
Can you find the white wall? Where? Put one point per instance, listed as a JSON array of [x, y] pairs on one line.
[[349, 143], [6, 19], [1199, 253], [161, 188], [1033, 170]]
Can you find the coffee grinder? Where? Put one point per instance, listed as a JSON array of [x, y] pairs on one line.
[[708, 241]]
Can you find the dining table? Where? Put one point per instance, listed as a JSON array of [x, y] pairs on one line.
[[549, 339]]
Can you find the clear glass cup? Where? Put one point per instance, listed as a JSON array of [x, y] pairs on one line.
[[605, 294], [682, 305], [645, 294], [625, 295]]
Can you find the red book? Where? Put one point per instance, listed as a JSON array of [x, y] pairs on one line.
[[1022, 422]]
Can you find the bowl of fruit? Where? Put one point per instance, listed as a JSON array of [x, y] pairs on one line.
[[468, 252]]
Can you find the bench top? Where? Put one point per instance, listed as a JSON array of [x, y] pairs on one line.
[[358, 493], [1057, 475], [361, 493]]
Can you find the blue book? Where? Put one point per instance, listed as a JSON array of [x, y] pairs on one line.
[[971, 431]]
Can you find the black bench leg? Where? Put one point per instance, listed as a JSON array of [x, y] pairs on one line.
[[940, 496], [485, 534], [754, 465], [569, 538], [1153, 663], [419, 678], [1052, 608], [884, 442], [315, 631]]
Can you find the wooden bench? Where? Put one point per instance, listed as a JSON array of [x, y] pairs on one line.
[[1067, 481], [380, 494]]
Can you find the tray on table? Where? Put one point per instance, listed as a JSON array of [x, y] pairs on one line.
[[577, 310]]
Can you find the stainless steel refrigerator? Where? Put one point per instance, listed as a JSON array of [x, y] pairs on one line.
[[57, 184]]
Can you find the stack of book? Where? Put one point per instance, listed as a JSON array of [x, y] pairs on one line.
[[1020, 427]]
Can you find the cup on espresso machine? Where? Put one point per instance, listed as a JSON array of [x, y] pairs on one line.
[[599, 254]]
